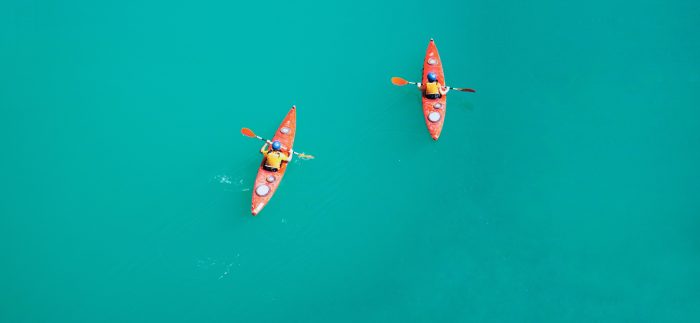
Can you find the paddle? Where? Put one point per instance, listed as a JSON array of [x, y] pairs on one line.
[[401, 82], [249, 133], [462, 89]]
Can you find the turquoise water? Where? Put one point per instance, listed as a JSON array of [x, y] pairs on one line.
[[564, 190]]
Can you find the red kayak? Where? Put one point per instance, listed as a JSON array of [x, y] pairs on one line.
[[266, 182], [434, 109]]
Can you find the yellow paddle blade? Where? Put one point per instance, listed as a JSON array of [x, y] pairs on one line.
[[398, 81], [305, 156]]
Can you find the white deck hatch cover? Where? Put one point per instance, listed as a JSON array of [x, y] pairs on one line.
[[434, 116], [262, 190]]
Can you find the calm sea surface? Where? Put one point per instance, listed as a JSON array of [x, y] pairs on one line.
[[564, 190]]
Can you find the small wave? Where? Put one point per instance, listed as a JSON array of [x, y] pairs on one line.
[[223, 179]]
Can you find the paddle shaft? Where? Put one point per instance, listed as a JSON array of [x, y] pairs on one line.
[[448, 87], [461, 89], [399, 81], [451, 88]]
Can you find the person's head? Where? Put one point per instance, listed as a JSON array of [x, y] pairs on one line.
[[276, 145], [432, 77]]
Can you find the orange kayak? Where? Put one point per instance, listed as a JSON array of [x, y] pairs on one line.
[[266, 182], [434, 109]]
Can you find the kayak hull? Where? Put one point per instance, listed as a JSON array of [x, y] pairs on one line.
[[433, 109], [267, 182]]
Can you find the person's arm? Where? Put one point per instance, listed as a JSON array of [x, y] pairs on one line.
[[289, 157], [264, 149], [420, 86], [444, 90]]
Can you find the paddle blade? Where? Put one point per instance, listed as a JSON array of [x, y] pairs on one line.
[[463, 89], [248, 133], [305, 156], [398, 81]]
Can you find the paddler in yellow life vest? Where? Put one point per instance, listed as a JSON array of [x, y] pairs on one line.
[[433, 89], [274, 157]]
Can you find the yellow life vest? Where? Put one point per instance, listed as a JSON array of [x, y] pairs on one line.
[[274, 159], [432, 88]]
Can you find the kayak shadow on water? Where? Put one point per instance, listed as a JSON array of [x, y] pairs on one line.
[[241, 209], [468, 105], [459, 102], [236, 186]]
